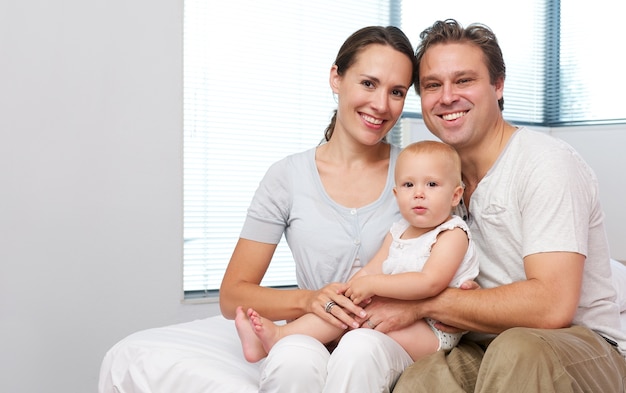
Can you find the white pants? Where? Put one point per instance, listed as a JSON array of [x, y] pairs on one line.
[[364, 361]]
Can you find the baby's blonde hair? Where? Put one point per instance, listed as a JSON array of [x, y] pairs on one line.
[[445, 150]]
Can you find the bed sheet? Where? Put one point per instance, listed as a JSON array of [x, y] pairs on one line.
[[205, 356], [194, 357]]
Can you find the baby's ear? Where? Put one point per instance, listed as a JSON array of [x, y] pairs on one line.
[[458, 194]]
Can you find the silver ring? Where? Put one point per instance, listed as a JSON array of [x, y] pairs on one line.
[[329, 305], [370, 324]]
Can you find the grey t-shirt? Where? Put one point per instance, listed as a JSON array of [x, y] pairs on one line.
[[327, 240]]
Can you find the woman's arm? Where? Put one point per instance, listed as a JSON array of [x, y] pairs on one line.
[[241, 287]]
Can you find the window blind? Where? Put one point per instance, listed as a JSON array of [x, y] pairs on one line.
[[255, 90], [563, 62], [591, 64], [521, 33]]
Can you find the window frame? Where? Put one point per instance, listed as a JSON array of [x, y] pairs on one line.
[[551, 115]]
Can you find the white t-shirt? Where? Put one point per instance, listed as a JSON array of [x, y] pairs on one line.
[[540, 196], [328, 241]]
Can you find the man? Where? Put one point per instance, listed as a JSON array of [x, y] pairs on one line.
[[545, 318]]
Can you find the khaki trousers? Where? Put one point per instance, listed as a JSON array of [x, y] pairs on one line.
[[522, 360]]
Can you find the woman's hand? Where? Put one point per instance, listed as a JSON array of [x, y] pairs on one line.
[[331, 305]]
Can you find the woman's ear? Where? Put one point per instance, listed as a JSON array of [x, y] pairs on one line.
[[335, 79]]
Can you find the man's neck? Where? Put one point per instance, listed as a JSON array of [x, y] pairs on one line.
[[477, 161]]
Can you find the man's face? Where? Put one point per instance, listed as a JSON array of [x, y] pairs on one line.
[[459, 103]]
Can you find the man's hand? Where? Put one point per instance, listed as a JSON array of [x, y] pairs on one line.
[[386, 315], [469, 285]]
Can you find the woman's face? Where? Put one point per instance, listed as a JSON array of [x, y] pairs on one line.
[[371, 93]]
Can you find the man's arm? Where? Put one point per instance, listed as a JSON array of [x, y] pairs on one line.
[[548, 298]]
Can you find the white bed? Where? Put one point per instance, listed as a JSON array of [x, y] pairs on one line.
[[194, 357], [202, 356]]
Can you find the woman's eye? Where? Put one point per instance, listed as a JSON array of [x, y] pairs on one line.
[[398, 93], [367, 83]]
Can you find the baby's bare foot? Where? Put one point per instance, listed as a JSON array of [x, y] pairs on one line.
[[266, 331], [252, 346]]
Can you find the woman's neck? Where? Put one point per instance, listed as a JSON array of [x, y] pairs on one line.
[[352, 155]]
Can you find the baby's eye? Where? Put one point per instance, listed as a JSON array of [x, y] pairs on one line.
[[407, 185], [431, 184]]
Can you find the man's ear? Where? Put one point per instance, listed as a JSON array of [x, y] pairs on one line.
[[335, 79], [499, 85]]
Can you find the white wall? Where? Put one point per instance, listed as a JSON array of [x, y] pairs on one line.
[[91, 184], [603, 148]]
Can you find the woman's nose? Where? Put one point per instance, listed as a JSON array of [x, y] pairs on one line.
[[380, 101]]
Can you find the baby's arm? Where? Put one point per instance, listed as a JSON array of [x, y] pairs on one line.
[[375, 265], [445, 258]]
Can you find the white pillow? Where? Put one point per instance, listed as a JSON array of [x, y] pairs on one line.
[[619, 282]]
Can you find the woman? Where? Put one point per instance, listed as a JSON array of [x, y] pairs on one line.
[[334, 204]]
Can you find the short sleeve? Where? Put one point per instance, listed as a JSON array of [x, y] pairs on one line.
[[268, 213]]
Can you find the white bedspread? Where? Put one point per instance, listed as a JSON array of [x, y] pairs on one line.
[[195, 357], [203, 356]]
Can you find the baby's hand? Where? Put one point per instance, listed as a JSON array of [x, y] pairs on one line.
[[360, 290]]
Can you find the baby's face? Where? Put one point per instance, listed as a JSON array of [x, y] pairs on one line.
[[427, 188]]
